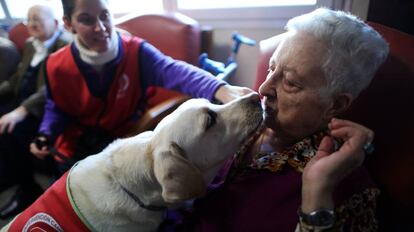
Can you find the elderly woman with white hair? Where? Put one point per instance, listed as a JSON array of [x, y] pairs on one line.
[[303, 169]]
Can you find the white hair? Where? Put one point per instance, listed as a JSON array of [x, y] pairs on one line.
[[355, 50], [54, 7], [45, 9]]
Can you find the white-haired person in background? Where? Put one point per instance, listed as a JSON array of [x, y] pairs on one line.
[[303, 169], [21, 108]]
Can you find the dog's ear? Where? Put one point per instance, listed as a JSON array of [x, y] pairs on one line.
[[179, 179]]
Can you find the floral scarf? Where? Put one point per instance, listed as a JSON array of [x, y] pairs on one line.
[[296, 156]]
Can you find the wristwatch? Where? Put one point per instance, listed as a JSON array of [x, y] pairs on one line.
[[317, 220]]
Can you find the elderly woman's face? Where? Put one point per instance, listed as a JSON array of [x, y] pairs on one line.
[[293, 106]]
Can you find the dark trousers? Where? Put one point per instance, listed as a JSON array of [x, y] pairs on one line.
[[15, 154], [16, 161]]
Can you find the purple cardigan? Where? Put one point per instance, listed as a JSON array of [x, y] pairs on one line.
[[156, 69]]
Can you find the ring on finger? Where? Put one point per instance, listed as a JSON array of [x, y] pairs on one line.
[[368, 148]]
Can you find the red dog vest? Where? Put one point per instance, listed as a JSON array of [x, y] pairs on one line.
[[51, 212]]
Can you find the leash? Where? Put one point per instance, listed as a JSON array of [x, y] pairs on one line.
[[42, 141], [66, 159]]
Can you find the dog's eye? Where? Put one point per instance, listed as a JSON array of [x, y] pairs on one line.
[[211, 119]]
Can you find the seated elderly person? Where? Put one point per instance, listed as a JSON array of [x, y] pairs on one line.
[[21, 108], [303, 169]]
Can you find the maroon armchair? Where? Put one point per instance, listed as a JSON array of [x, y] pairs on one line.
[[387, 107], [19, 34], [175, 35], [9, 58]]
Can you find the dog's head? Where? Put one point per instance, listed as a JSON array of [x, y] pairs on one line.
[[192, 143]]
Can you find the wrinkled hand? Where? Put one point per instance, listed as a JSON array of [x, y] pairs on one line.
[[328, 168], [39, 147], [9, 120], [227, 93]]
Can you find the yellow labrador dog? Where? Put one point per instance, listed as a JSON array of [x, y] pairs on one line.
[[129, 184]]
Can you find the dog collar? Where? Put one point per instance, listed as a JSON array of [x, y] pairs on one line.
[[136, 198], [140, 203]]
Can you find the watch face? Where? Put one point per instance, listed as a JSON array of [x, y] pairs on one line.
[[322, 218]]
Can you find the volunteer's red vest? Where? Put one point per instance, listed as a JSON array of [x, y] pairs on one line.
[[51, 212], [71, 94]]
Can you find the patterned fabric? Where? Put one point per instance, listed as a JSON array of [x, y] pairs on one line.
[[296, 156], [362, 206], [263, 193]]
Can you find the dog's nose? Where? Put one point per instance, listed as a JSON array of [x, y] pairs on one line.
[[252, 97]]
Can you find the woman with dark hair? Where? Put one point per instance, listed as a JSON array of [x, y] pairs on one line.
[[96, 86]]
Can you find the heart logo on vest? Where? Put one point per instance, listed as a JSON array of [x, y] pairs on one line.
[[123, 84]]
